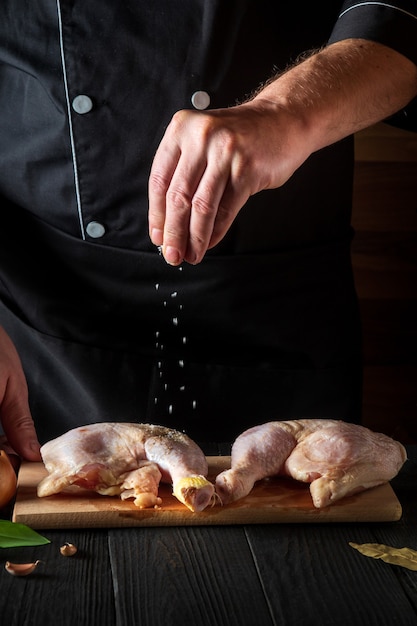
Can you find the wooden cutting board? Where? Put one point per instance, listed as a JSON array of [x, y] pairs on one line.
[[275, 500]]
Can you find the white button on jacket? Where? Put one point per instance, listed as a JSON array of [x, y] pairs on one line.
[[82, 104], [95, 230], [200, 100]]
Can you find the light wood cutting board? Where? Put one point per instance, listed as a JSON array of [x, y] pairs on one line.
[[275, 500]]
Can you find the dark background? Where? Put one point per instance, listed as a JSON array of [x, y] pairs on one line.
[[385, 265]]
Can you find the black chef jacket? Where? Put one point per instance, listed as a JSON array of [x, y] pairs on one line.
[[267, 326]]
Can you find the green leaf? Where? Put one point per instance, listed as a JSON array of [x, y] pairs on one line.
[[13, 535]]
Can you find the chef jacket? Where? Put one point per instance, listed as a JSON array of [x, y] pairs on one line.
[[267, 326]]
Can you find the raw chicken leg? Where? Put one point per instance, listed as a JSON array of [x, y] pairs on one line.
[[128, 460], [337, 458]]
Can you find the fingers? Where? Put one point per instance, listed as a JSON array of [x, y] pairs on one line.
[[15, 414], [182, 214], [163, 168], [192, 201], [229, 206], [17, 422], [19, 428], [195, 226]]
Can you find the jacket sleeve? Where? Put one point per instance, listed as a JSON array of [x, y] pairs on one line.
[[392, 23]]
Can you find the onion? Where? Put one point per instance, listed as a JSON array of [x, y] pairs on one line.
[[8, 481]]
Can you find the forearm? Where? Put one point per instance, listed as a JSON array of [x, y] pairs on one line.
[[344, 88], [209, 163]]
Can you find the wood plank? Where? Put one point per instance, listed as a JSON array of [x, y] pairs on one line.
[[385, 265], [390, 401], [384, 197], [194, 575], [384, 258], [384, 285], [383, 142], [312, 576], [64, 591], [275, 500], [379, 251], [389, 332], [403, 534]]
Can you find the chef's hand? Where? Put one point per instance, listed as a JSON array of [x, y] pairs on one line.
[[20, 435], [207, 166], [209, 163]]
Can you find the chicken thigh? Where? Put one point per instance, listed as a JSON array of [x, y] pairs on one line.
[[335, 457], [128, 460]]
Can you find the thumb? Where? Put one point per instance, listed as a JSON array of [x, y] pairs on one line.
[[15, 415], [18, 425]]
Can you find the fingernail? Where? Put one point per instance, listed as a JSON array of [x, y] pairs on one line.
[[172, 256], [191, 258], [34, 446], [157, 236]]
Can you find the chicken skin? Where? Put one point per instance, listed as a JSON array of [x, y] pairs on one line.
[[128, 460], [337, 458]]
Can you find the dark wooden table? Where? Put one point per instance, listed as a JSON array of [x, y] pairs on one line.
[[281, 574]]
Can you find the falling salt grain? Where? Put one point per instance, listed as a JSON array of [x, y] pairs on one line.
[[181, 363], [175, 321], [194, 404], [182, 388], [184, 340], [170, 409], [166, 386], [174, 294], [156, 286]]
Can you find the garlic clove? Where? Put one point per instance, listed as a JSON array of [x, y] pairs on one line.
[[21, 569], [68, 549]]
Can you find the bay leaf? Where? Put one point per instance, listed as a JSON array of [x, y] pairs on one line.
[[405, 557], [13, 535]]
